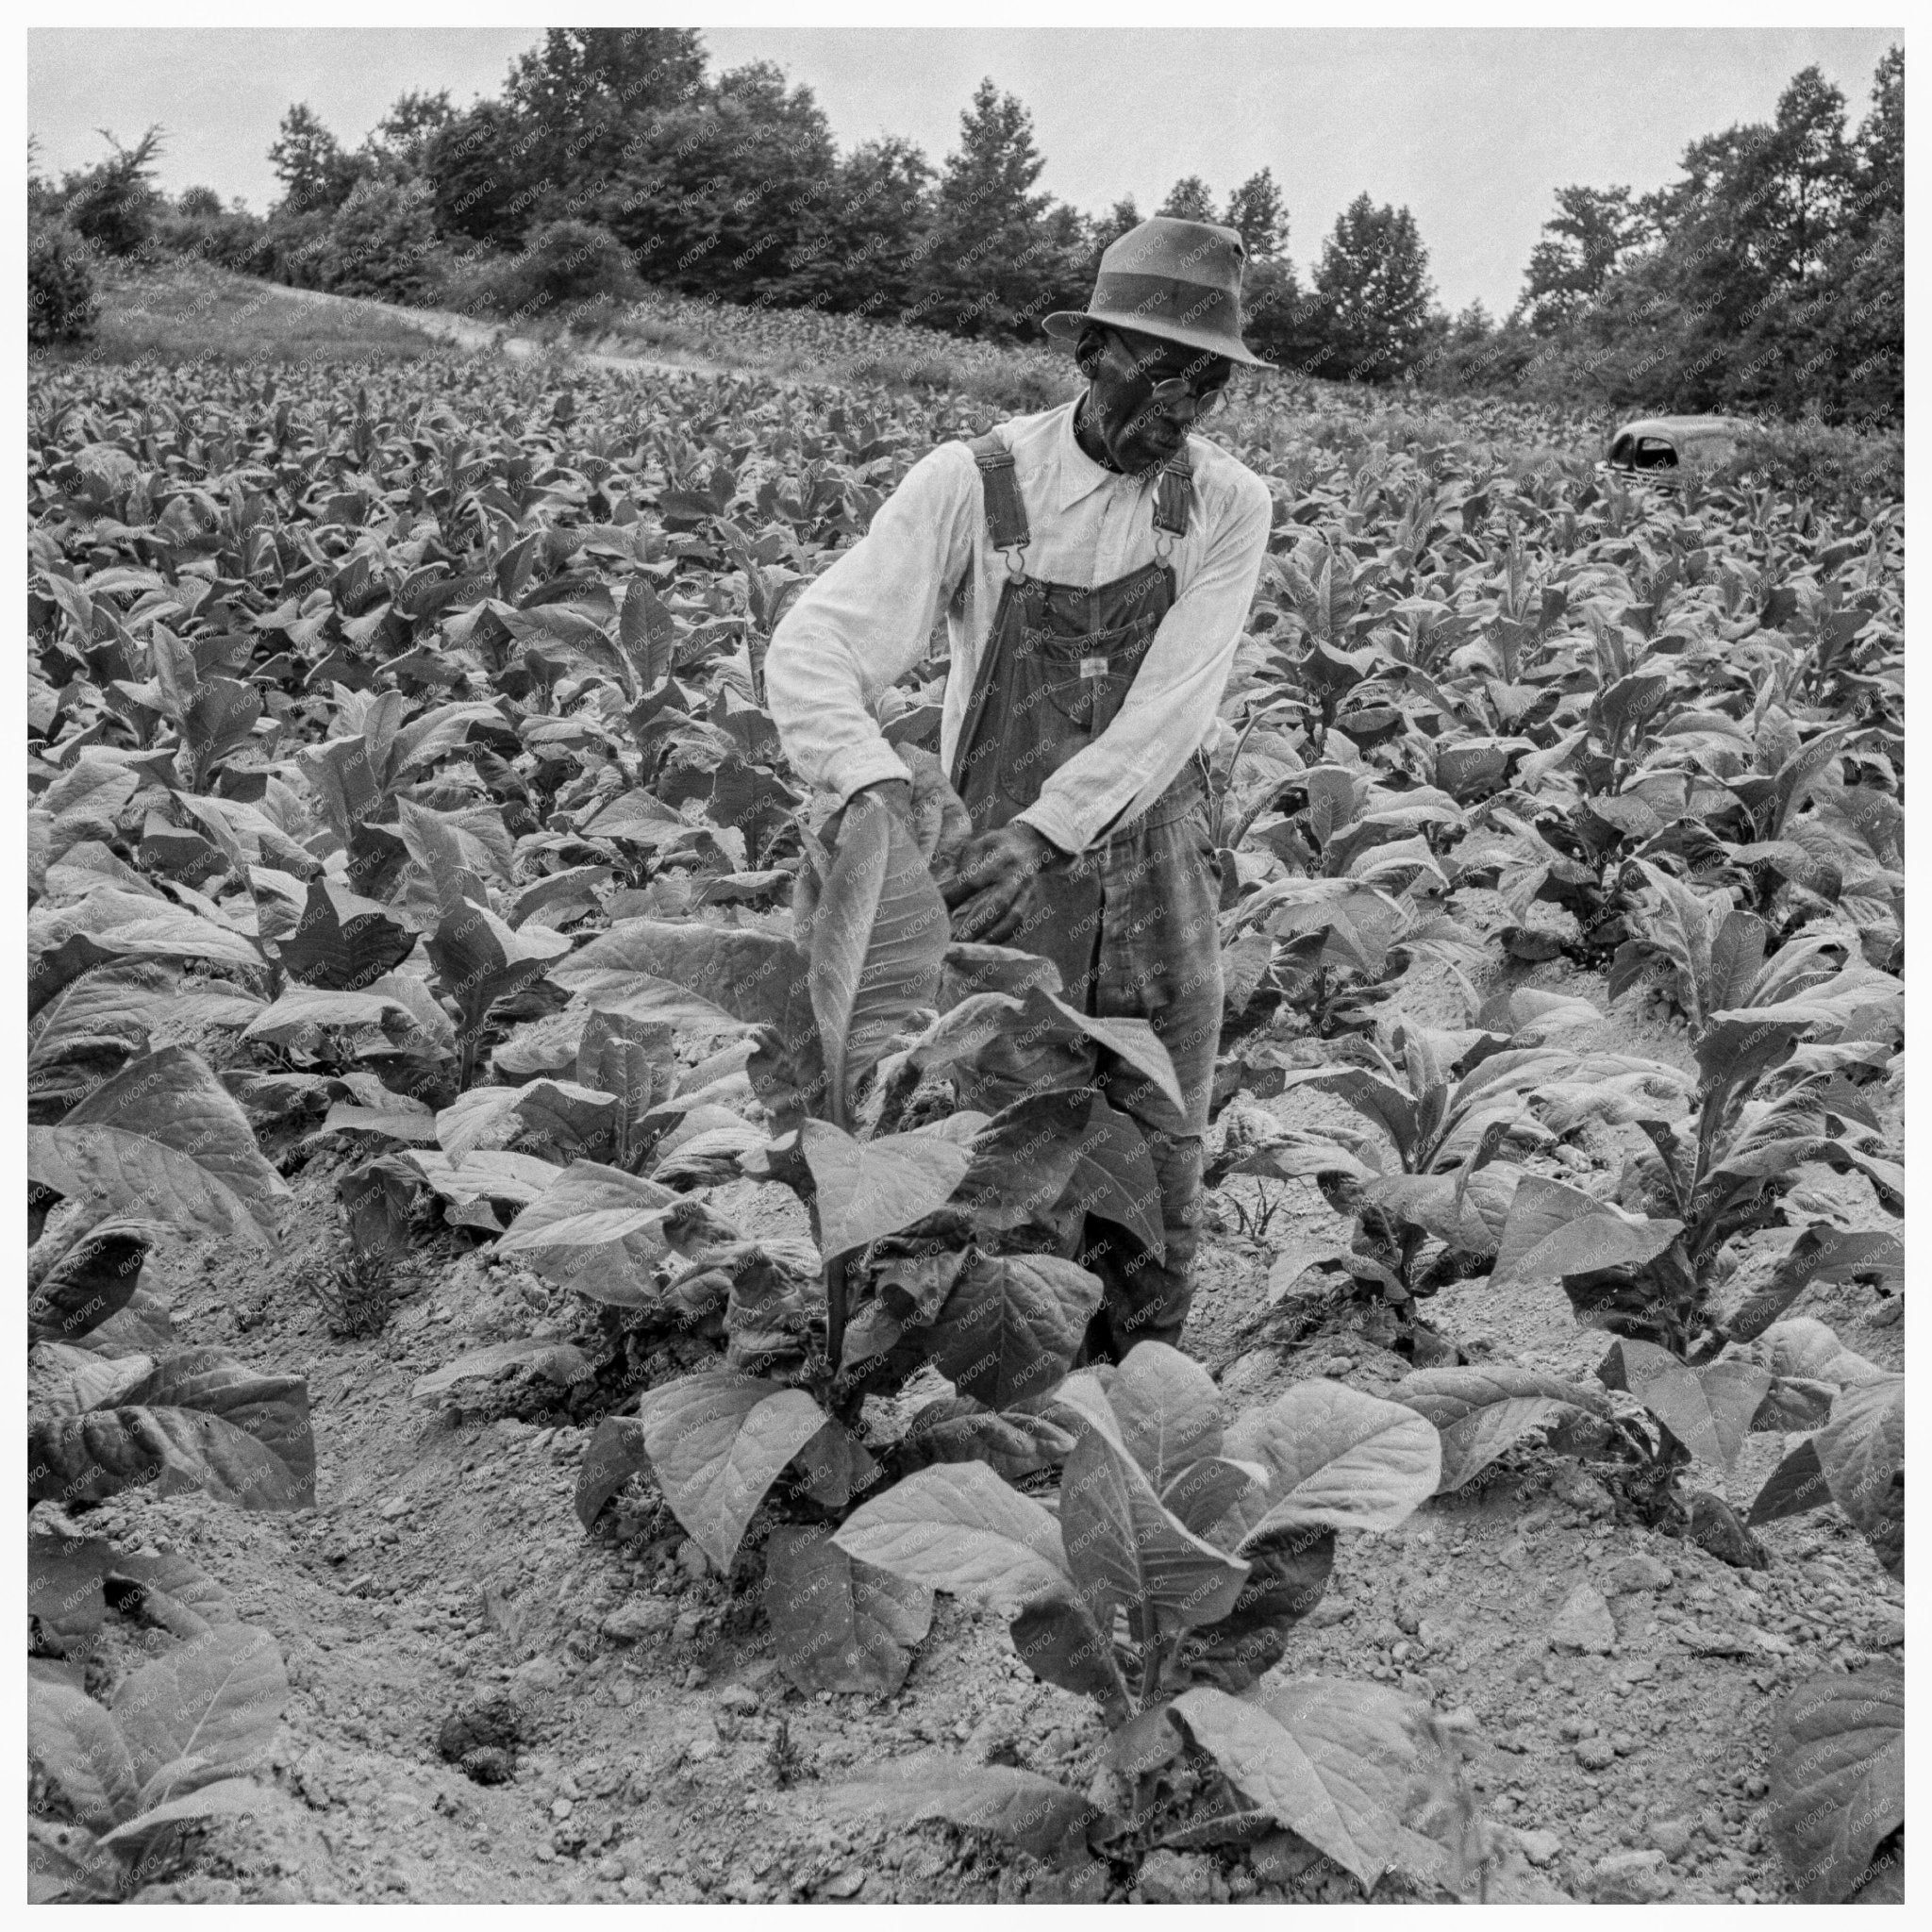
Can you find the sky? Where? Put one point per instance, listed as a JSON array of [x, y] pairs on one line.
[[1471, 128]]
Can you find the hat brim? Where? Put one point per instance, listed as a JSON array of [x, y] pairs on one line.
[[1066, 323]]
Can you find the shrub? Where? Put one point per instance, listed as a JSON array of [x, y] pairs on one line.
[[295, 248], [564, 261], [382, 242], [61, 302], [231, 237], [1838, 468]]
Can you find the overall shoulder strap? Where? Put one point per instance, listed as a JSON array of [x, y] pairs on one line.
[[1006, 514], [1171, 493]]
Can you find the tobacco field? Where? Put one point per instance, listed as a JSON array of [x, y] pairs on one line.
[[551, 1374]]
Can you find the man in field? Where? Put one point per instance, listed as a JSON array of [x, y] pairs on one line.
[[1096, 565]]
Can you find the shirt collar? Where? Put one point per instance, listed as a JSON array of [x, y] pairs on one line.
[[1080, 475]]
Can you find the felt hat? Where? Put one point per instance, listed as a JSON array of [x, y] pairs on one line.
[[1178, 280]]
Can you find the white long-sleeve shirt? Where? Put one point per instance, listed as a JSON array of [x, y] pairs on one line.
[[866, 622]]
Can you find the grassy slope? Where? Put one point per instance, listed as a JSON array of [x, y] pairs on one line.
[[190, 311]]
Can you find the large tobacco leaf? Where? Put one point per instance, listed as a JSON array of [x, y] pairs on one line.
[[1837, 1777], [93, 1280], [1862, 1451], [717, 1442], [598, 1230], [841, 1624], [1034, 1813], [1335, 1458], [344, 941], [1331, 1761], [193, 1420], [1012, 1324], [1553, 1230], [558, 1117], [80, 1747], [1483, 1411], [1161, 1406], [958, 1527], [1822, 1253], [216, 1698], [1709, 1409], [482, 1179], [163, 1139], [1128, 1550], [865, 1189], [879, 940], [691, 974]]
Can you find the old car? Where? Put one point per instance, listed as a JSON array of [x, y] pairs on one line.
[[1658, 448]]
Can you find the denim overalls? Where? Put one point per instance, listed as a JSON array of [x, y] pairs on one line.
[[1131, 922]]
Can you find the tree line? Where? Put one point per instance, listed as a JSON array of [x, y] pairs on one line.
[[1769, 275]]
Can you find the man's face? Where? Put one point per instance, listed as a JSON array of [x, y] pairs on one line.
[[1136, 432]]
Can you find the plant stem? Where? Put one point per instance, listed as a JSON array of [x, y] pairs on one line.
[[835, 1310]]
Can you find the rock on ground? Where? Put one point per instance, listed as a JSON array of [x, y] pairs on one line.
[[1176, 1878], [1630, 1879], [1585, 1623]]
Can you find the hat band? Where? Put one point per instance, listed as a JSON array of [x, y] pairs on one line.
[[1165, 301]]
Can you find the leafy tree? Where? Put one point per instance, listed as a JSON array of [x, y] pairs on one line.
[[1880, 145], [1373, 292], [310, 163], [858, 250], [1592, 229], [1189, 200], [1061, 263], [1757, 205], [715, 197], [481, 175], [1102, 232], [404, 132], [588, 92], [113, 205], [42, 196], [1279, 318], [1257, 210], [982, 255], [201, 203]]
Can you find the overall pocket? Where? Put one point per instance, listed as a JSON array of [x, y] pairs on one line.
[[1087, 678]]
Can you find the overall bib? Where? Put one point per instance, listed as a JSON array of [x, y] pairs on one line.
[[1132, 923]]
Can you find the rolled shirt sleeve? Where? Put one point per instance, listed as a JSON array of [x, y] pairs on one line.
[[1175, 700], [866, 622]]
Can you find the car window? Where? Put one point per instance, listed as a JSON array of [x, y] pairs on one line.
[[1619, 450], [1655, 452]]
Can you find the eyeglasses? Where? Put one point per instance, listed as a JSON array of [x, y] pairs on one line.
[[1168, 396]]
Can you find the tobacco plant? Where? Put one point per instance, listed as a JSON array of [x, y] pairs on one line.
[[935, 1246], [1426, 1183], [1164, 1582]]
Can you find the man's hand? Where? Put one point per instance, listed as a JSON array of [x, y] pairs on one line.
[[896, 793], [990, 884]]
